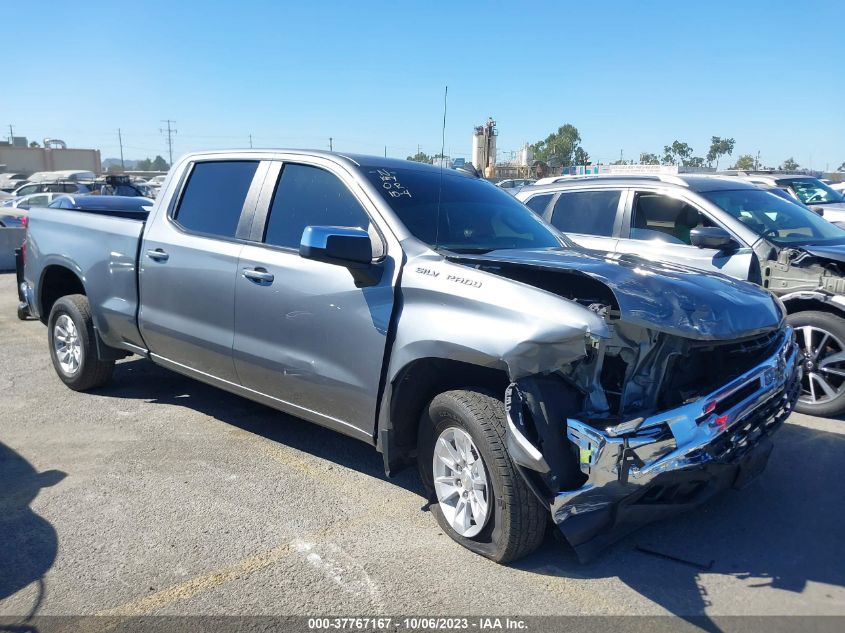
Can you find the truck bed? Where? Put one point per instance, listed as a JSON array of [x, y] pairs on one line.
[[105, 256]]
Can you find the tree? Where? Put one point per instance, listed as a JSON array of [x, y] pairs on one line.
[[581, 156], [561, 148], [790, 164], [34, 144], [649, 159], [719, 147], [841, 167], [144, 165], [745, 162], [420, 157], [677, 153], [695, 161], [159, 164]]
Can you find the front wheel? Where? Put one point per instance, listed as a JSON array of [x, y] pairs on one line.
[[821, 337], [73, 349], [477, 496]]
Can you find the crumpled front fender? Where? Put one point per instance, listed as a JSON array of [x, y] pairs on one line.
[[639, 471]]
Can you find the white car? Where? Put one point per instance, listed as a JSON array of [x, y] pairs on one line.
[[809, 191], [13, 211]]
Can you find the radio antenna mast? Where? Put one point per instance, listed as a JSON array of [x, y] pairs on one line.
[[440, 187]]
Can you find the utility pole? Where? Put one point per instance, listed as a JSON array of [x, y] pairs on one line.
[[331, 146], [385, 151], [11, 135], [120, 140], [170, 132], [250, 141], [757, 161]]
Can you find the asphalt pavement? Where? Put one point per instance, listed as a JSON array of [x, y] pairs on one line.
[[160, 495]]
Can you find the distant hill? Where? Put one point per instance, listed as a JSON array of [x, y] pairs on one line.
[[115, 162]]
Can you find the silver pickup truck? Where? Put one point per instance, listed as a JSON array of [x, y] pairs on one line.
[[433, 316]]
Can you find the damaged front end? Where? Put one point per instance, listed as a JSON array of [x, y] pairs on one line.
[[646, 390], [663, 424]]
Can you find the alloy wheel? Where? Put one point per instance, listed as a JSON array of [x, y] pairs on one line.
[[460, 482], [67, 345], [824, 365]]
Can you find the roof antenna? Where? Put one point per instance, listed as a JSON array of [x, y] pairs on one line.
[[442, 157]]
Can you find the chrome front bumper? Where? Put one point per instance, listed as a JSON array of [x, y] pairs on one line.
[[646, 468]]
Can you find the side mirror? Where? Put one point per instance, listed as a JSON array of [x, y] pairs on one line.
[[339, 245], [714, 237], [818, 210]]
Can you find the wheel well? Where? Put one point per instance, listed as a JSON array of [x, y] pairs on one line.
[[56, 282], [807, 305], [415, 386]]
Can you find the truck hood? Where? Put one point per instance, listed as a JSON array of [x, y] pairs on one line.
[[835, 252], [664, 297]]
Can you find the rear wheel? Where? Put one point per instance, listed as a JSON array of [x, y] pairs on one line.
[[477, 496], [73, 349], [821, 337]]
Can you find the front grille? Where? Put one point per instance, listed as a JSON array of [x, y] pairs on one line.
[[746, 432], [705, 367], [760, 345]]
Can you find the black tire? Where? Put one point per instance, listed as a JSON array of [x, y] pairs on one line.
[[834, 326], [518, 521], [91, 372]]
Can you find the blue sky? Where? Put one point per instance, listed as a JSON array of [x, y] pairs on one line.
[[629, 75]]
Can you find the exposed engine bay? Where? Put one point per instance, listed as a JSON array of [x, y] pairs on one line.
[[649, 419], [803, 269]]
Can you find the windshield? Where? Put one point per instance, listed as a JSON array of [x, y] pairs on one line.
[[778, 220], [475, 216], [811, 190]]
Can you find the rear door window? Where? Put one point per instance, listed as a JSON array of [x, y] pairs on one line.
[[587, 212], [214, 197], [658, 216]]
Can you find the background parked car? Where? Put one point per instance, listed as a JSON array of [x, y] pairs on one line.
[[73, 175], [51, 187], [13, 211], [810, 191], [11, 181], [515, 183], [727, 225]]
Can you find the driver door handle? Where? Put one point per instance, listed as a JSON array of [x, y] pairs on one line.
[[259, 275], [158, 255]]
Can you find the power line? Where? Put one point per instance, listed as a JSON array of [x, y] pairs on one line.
[[170, 132]]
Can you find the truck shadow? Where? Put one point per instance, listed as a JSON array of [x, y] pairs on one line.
[[142, 379], [28, 542], [783, 531]]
